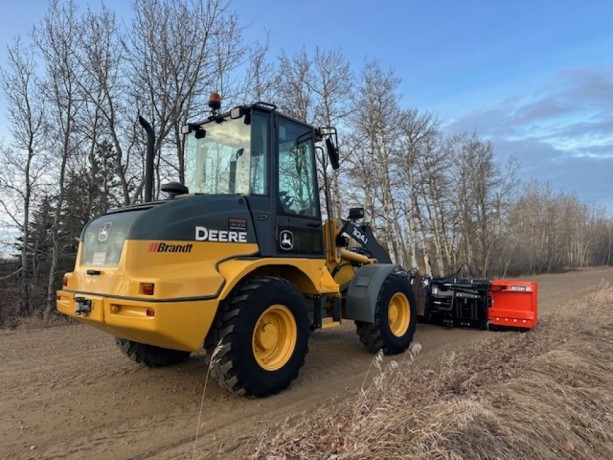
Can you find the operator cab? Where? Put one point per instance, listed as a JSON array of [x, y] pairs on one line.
[[269, 160]]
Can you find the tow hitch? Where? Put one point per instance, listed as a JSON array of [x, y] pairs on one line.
[[84, 306]]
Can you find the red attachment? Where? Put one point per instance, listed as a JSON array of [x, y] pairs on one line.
[[514, 303]]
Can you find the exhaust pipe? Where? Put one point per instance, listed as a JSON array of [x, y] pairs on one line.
[[149, 158]]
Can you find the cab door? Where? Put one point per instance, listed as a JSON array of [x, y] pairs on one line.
[[298, 230]]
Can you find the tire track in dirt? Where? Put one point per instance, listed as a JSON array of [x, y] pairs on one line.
[[68, 392]]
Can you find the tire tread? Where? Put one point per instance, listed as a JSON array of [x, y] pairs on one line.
[[150, 355], [224, 368], [372, 335]]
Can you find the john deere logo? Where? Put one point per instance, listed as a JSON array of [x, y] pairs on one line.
[[104, 232], [287, 240]]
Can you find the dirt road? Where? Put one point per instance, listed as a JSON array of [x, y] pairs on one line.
[[67, 392]]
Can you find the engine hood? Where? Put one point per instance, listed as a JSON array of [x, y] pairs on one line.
[[215, 218]]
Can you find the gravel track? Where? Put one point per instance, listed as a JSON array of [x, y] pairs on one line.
[[67, 392]]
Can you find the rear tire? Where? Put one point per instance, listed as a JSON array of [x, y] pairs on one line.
[[264, 329], [395, 318], [150, 355]]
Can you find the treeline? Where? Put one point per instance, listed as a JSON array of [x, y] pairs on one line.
[[74, 87]]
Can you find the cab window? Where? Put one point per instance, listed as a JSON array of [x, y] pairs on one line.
[[297, 180]]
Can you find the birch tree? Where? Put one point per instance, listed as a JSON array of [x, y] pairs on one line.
[[376, 116], [419, 133], [57, 39], [331, 89], [23, 162]]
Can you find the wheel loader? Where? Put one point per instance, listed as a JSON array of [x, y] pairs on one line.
[[237, 258]]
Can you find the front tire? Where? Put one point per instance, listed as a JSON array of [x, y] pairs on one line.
[[395, 317], [150, 355], [264, 330]]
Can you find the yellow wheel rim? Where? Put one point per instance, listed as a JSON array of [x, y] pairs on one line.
[[274, 337], [399, 314]]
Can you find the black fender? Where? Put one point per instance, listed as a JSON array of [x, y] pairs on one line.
[[363, 291]]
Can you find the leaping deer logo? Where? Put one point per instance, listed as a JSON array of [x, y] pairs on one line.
[[287, 240], [104, 232]]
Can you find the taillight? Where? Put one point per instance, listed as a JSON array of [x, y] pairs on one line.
[[147, 288]]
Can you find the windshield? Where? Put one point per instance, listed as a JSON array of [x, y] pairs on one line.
[[227, 160]]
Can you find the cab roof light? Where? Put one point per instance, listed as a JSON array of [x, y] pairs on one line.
[[191, 127], [215, 102]]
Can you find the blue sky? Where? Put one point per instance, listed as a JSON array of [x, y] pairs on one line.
[[534, 77]]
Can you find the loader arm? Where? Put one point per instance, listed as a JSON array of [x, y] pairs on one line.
[[363, 235]]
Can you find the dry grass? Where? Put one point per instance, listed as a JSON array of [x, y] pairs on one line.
[[38, 322], [9, 302], [543, 394]]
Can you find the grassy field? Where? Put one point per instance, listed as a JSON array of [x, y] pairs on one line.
[[543, 394]]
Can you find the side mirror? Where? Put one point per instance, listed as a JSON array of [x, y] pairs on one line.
[[356, 213], [332, 153]]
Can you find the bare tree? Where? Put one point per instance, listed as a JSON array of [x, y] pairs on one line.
[[331, 89], [316, 88], [260, 78], [480, 193], [419, 178], [227, 53], [376, 116], [549, 232], [22, 167], [293, 91], [175, 53], [56, 40], [436, 189], [107, 122]]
